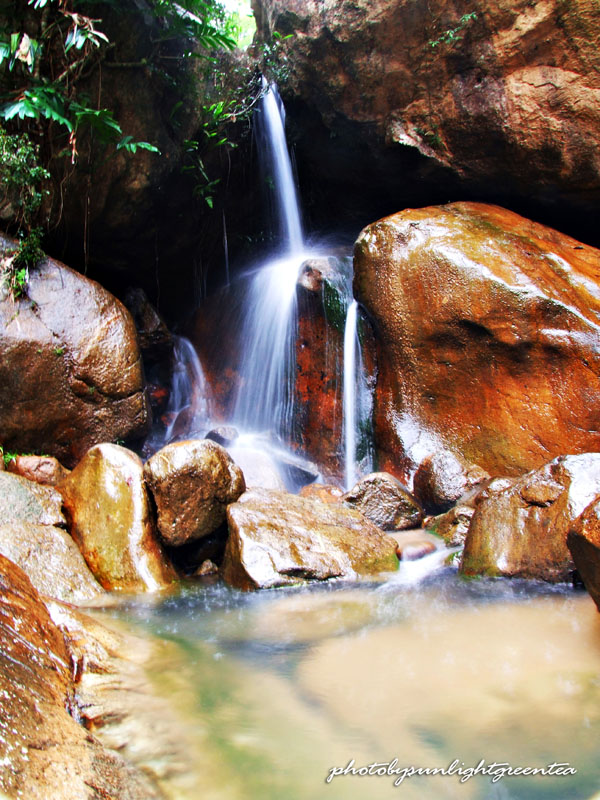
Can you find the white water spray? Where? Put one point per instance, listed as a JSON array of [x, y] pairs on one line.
[[265, 397], [350, 421]]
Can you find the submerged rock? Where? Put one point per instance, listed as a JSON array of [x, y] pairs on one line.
[[277, 539], [385, 501], [192, 483], [488, 337], [70, 368], [259, 467], [583, 541], [522, 530], [41, 469], [25, 501], [50, 559], [111, 520], [45, 753]]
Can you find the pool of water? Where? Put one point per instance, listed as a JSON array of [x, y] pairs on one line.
[[275, 689]]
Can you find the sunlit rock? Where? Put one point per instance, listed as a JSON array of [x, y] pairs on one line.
[[385, 501], [522, 530], [192, 483], [26, 501], [277, 539], [488, 336], [110, 518], [50, 559]]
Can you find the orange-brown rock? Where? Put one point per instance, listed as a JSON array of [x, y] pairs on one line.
[[70, 368], [110, 518], [583, 541], [416, 99], [45, 753], [326, 493], [277, 539], [192, 483], [385, 501], [41, 469], [522, 530], [488, 337]]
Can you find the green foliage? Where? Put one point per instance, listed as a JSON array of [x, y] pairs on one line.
[[16, 266], [21, 177], [454, 35], [7, 456]]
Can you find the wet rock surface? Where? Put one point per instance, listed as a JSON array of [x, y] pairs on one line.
[[421, 101], [111, 520], [45, 752], [50, 559], [442, 479], [277, 539], [522, 532], [385, 502], [488, 335], [26, 501], [583, 541], [326, 493], [42, 469], [70, 368], [192, 483], [453, 526]]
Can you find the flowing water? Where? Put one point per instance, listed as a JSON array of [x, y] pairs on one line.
[[273, 690]]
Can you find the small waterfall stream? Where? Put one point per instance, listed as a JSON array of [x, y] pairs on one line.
[[350, 342], [264, 400]]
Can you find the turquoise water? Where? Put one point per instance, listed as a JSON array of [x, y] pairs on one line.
[[275, 689]]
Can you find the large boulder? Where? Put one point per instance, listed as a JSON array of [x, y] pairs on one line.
[[111, 520], [521, 531], [70, 368], [192, 483], [488, 335], [50, 559], [424, 100], [277, 539], [583, 540], [45, 753]]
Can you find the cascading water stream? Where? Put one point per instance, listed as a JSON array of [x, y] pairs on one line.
[[264, 400], [189, 389], [350, 342]]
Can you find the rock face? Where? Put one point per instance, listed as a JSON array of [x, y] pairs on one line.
[[453, 526], [110, 519], [488, 337], [277, 539], [44, 752], [25, 501], [50, 559], [192, 483], [420, 100], [385, 501], [583, 541], [522, 530], [70, 369]]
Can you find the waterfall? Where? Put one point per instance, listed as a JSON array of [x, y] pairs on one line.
[[190, 392], [265, 395], [349, 401]]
